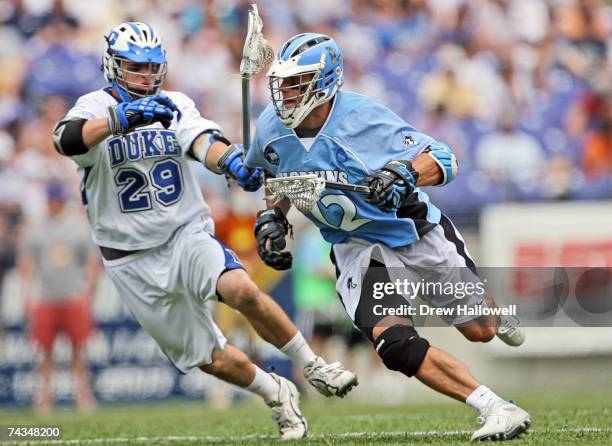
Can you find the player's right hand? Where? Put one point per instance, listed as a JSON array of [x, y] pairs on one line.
[[248, 178], [391, 184], [127, 116], [271, 228]]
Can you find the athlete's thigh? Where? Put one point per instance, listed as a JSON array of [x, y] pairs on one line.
[[364, 283], [151, 286], [202, 260], [447, 274]]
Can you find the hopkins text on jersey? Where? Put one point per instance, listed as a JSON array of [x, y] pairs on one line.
[[329, 175]]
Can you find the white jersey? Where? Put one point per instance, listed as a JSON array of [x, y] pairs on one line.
[[138, 189]]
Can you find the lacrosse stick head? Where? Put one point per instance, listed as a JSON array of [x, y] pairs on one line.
[[257, 52], [303, 191]]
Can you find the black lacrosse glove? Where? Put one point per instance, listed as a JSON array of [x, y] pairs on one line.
[[271, 228], [391, 184]]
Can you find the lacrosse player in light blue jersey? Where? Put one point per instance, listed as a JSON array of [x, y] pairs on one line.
[[131, 142], [311, 127]]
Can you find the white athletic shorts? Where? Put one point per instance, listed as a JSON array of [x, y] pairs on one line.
[[166, 289], [440, 256]]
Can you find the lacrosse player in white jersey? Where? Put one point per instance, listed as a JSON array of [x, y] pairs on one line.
[[131, 142], [311, 127]]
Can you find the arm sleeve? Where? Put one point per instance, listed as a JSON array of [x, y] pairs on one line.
[[255, 156], [83, 109], [409, 144], [401, 141], [378, 136], [190, 123]]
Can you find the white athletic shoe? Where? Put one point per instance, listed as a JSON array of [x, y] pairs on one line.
[[510, 331], [286, 412], [502, 420], [329, 379]]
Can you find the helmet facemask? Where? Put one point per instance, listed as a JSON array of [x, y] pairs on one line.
[[293, 97], [154, 72], [307, 73]]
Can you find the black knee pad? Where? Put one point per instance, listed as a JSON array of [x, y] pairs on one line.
[[401, 349]]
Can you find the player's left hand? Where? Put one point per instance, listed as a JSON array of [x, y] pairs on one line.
[[169, 103], [271, 228], [126, 116], [248, 178], [391, 184]]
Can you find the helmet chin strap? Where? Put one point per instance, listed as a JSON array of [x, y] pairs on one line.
[[124, 95]]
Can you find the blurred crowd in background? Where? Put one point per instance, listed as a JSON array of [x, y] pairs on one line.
[[520, 89]]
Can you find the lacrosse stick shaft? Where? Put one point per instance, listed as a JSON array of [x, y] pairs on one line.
[[359, 189], [246, 115]]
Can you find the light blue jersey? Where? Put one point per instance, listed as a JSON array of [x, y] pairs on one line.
[[359, 138]]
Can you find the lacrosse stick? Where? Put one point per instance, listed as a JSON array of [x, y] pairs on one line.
[[303, 191], [256, 54]]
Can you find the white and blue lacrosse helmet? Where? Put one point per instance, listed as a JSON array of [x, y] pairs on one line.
[[140, 44], [313, 64]]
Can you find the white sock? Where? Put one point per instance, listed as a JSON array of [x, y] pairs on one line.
[[481, 397], [264, 385], [298, 350]]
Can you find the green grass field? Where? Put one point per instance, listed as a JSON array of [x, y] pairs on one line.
[[556, 421]]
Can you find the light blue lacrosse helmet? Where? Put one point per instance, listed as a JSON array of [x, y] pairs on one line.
[[138, 43], [300, 56]]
